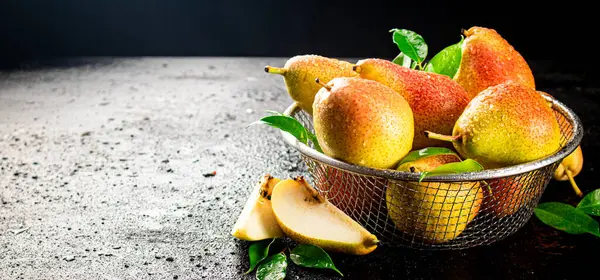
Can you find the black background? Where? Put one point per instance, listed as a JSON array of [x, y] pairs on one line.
[[560, 31]]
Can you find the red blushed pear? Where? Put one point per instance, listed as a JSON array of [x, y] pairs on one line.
[[505, 125], [488, 60], [436, 100]]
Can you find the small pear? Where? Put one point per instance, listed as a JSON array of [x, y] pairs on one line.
[[363, 122], [435, 212], [306, 217], [569, 167], [505, 125], [300, 72], [257, 221], [489, 60], [436, 100]]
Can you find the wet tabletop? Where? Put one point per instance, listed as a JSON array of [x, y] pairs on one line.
[[138, 168]]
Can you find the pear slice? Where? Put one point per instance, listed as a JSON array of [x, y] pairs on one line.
[[257, 222], [306, 217]]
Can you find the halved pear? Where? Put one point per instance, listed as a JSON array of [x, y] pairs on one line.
[[306, 217], [257, 222]]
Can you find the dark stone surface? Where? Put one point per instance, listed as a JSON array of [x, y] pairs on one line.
[[104, 163]]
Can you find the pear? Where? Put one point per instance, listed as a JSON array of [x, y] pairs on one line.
[[300, 72], [436, 100], [488, 60], [505, 125], [435, 212], [257, 221], [362, 122], [569, 167], [306, 217], [506, 196]]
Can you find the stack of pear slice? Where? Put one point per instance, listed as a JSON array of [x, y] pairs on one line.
[[294, 208]]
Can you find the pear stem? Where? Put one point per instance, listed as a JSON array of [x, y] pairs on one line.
[[322, 84], [436, 136], [356, 68], [274, 70], [573, 184]]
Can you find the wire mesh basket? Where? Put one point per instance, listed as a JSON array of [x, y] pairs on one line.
[[455, 211]]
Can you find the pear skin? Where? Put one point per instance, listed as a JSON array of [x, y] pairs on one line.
[[436, 100], [435, 212], [505, 125], [506, 196], [569, 167], [257, 221], [300, 72], [488, 60], [306, 217], [363, 122]]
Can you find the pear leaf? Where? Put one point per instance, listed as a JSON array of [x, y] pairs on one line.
[[403, 60], [467, 165], [447, 61], [567, 218], [426, 152], [258, 251], [291, 126], [411, 44], [272, 268], [590, 204], [312, 256]]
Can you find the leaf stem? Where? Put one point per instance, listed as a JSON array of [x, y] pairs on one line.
[[573, 184]]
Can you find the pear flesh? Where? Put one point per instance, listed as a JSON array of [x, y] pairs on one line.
[[306, 217], [257, 221]]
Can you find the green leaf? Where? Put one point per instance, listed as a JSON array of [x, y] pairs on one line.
[[403, 60], [258, 251], [312, 256], [567, 218], [590, 203], [291, 126], [273, 268], [467, 165], [447, 61], [411, 44], [426, 152]]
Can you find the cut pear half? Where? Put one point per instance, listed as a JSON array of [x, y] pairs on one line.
[[257, 222], [307, 217]]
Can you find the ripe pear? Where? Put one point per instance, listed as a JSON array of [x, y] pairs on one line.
[[506, 196], [569, 167], [505, 125], [488, 60], [436, 100], [363, 122], [435, 212], [306, 217], [257, 221], [300, 72]]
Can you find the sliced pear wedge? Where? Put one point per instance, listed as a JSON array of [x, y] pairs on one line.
[[307, 217], [257, 222]]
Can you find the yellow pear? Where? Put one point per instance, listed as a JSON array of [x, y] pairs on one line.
[[257, 222], [306, 217], [569, 167], [435, 212], [300, 72]]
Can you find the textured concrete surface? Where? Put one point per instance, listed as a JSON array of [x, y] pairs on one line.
[[106, 172]]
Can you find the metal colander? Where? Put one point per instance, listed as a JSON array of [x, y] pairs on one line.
[[442, 212]]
